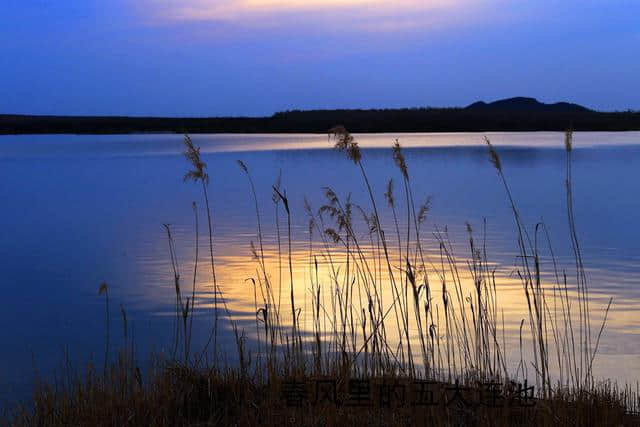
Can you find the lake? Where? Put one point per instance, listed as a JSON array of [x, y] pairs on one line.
[[81, 210]]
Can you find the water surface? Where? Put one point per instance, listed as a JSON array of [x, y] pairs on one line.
[[80, 210]]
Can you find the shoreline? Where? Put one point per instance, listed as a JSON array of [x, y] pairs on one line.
[[431, 120]]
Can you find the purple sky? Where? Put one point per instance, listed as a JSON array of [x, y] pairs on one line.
[[255, 57]]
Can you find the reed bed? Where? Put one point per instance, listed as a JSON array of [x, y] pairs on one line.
[[381, 310]]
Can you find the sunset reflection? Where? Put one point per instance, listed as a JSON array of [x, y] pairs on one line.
[[319, 264]]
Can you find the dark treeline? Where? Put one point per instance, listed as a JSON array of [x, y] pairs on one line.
[[472, 118]]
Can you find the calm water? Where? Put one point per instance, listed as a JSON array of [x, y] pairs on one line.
[[80, 210]]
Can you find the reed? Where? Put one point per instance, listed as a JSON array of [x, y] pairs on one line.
[[104, 289], [426, 315]]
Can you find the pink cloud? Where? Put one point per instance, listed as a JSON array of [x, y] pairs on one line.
[[348, 15]]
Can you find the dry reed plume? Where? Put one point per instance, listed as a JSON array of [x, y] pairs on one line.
[[393, 311]]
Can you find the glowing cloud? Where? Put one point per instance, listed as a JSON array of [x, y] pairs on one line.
[[378, 15]]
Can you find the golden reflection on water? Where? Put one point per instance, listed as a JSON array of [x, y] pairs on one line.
[[237, 272], [274, 142]]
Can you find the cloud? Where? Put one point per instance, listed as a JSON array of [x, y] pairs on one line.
[[364, 15]]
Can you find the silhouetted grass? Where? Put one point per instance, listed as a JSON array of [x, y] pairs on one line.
[[373, 317]]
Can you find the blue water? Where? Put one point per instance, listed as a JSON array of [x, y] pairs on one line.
[[77, 211]]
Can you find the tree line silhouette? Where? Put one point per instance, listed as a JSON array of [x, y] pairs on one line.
[[515, 114]]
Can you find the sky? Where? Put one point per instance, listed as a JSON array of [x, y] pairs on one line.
[[257, 57]]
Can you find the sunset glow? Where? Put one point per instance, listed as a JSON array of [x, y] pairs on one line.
[[320, 212], [255, 10], [257, 57]]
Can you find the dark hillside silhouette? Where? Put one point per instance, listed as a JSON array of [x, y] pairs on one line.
[[527, 104], [514, 114]]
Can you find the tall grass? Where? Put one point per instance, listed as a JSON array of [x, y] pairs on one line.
[[375, 315]]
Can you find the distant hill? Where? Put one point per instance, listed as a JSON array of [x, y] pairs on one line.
[[522, 103], [513, 114]]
